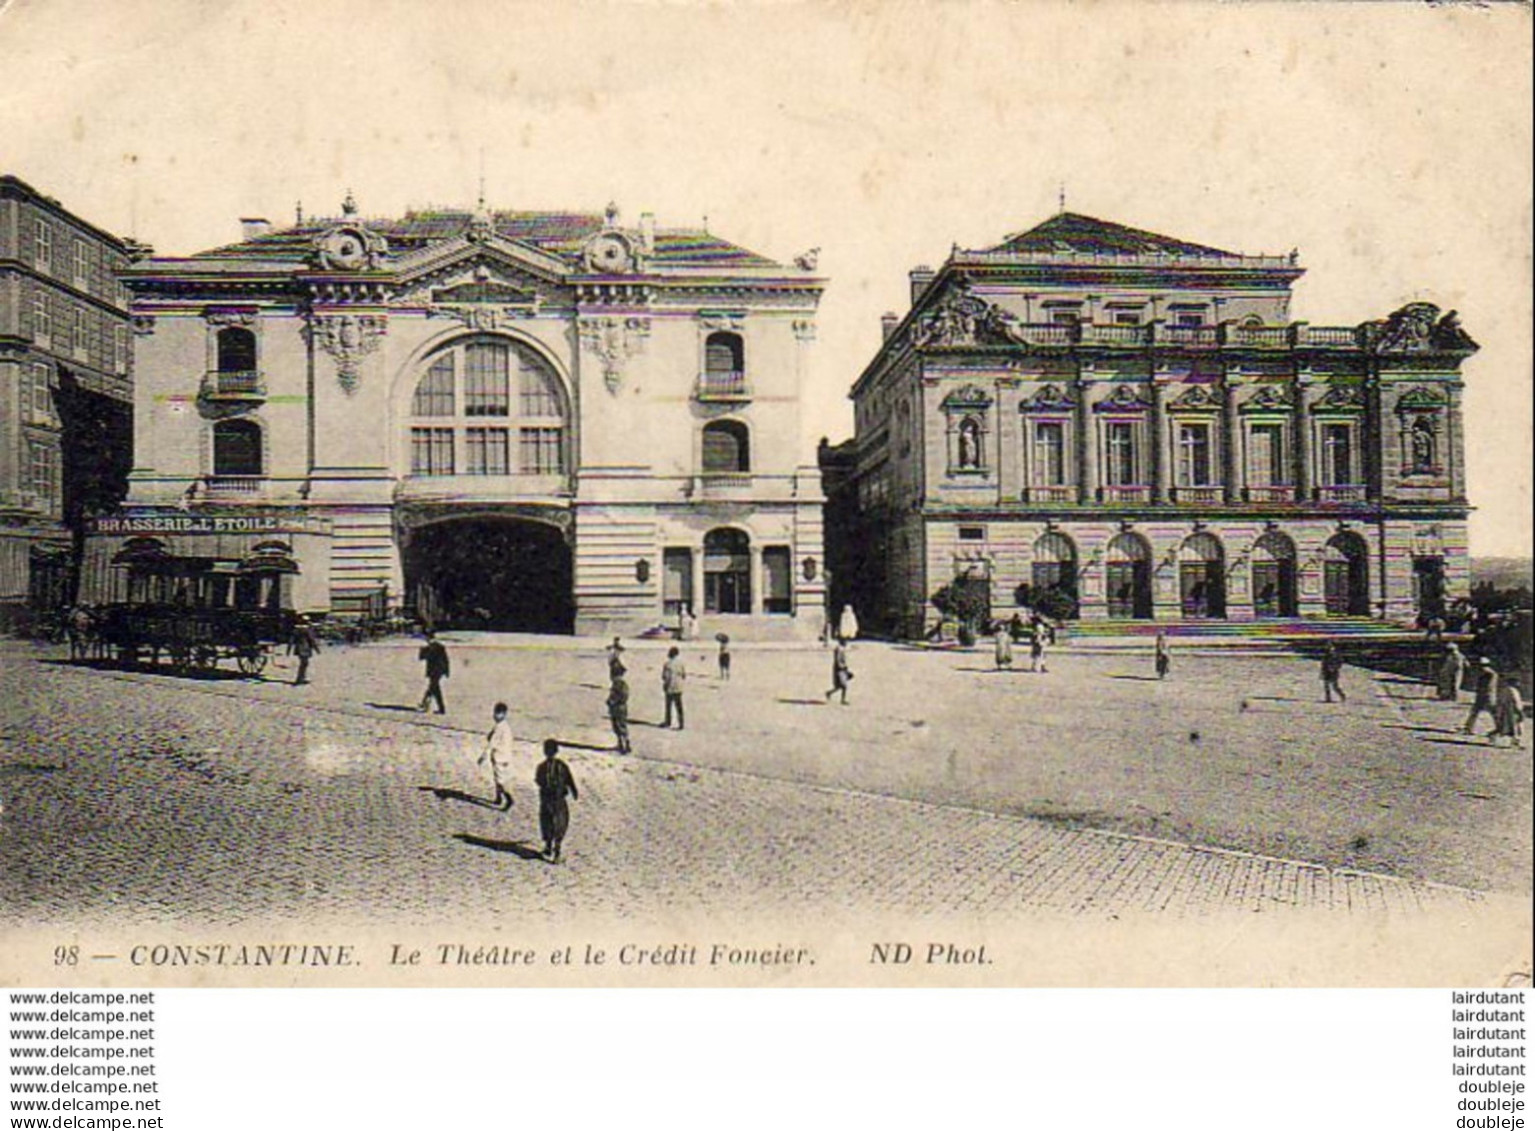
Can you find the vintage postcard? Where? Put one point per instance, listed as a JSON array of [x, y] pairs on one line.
[[799, 494]]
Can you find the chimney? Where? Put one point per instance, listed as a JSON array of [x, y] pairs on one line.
[[253, 226], [888, 321], [648, 231], [920, 278]]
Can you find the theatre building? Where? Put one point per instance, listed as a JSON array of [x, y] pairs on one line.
[[1136, 424], [538, 421], [65, 392]]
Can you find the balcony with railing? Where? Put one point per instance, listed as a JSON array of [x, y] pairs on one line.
[[1269, 494], [723, 385], [1057, 493], [1204, 495], [1341, 493], [1110, 334], [1123, 493], [1257, 337], [1057, 334], [1186, 337], [233, 385], [1326, 337], [235, 486]]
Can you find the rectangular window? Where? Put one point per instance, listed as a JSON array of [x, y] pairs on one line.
[[1049, 454], [777, 580], [676, 578], [487, 386], [434, 394], [1065, 317], [41, 472], [1119, 442], [82, 331], [1126, 318], [485, 451], [42, 245], [539, 451], [1337, 455], [972, 534], [42, 318], [1194, 455], [82, 265], [37, 395], [1265, 456], [431, 451]]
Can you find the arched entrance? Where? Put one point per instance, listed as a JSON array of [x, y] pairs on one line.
[[1346, 576], [727, 571], [1127, 574], [1202, 577], [501, 573], [1055, 571], [1273, 568]]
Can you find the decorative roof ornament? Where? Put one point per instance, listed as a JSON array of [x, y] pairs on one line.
[[1418, 328], [610, 215], [349, 205], [482, 225]]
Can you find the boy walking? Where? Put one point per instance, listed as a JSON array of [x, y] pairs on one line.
[[555, 783], [1332, 671], [841, 674], [498, 749], [1164, 658], [674, 675], [724, 656], [303, 644], [618, 708]]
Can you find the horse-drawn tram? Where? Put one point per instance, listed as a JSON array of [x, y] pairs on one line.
[[196, 612]]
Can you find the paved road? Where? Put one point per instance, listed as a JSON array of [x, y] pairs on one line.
[[947, 790]]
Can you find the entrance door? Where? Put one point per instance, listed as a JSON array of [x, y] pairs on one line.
[[1127, 574], [500, 574], [1202, 577], [727, 572], [1345, 577], [677, 580], [1428, 577]]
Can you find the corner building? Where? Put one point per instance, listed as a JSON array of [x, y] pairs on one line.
[[65, 391], [518, 420], [1134, 422]]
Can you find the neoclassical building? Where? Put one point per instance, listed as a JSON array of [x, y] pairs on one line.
[[65, 391], [1136, 423], [523, 420]]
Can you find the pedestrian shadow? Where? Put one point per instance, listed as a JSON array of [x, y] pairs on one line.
[[592, 686], [414, 710], [1420, 729], [803, 702], [1477, 743], [447, 793], [567, 744], [1141, 678], [1277, 699], [518, 848], [988, 671]]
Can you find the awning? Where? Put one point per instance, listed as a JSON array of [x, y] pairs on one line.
[[143, 552]]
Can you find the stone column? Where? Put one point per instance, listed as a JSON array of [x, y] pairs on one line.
[[759, 598], [1162, 476], [1231, 442], [1301, 426], [1087, 445], [697, 598]]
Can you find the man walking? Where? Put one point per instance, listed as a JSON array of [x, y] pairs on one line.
[[1164, 658], [498, 748], [1486, 693], [615, 658], [1332, 671], [555, 783], [674, 674], [841, 674], [435, 657], [303, 644], [618, 708]]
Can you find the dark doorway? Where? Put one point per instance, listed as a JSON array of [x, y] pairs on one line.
[[727, 572], [1273, 568], [1127, 577], [1428, 579], [1346, 576], [503, 574], [1202, 577]]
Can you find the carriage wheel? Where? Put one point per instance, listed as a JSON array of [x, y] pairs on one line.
[[180, 656], [207, 658], [251, 660]]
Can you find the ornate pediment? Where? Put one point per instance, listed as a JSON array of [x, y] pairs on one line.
[[1418, 328], [1050, 397], [1341, 398], [1421, 399], [1268, 398], [961, 319], [1196, 398], [485, 290], [967, 397], [455, 261], [1123, 398]]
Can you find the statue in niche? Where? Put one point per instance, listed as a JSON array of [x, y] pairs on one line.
[[1421, 438], [969, 444]]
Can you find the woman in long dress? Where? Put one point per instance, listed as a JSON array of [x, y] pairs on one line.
[[1452, 670], [847, 625]]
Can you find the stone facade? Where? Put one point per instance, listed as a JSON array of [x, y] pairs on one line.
[[65, 388], [1135, 423], [527, 420]]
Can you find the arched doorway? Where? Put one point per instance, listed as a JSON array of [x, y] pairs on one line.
[[1346, 576], [505, 574], [727, 571], [1273, 569], [1055, 572], [1202, 577], [1127, 574]]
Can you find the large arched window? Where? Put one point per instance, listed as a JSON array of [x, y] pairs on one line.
[[237, 448], [726, 448], [1127, 576], [1202, 576], [487, 406]]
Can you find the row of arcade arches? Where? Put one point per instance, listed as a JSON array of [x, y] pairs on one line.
[[1201, 569]]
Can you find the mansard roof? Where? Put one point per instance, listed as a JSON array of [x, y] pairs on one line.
[[1072, 233], [556, 233]]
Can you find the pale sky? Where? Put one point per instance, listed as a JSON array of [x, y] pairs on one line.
[[1390, 144]]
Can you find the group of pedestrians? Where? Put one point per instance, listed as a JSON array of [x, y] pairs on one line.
[[1496, 694], [555, 783], [674, 676], [1036, 634]]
